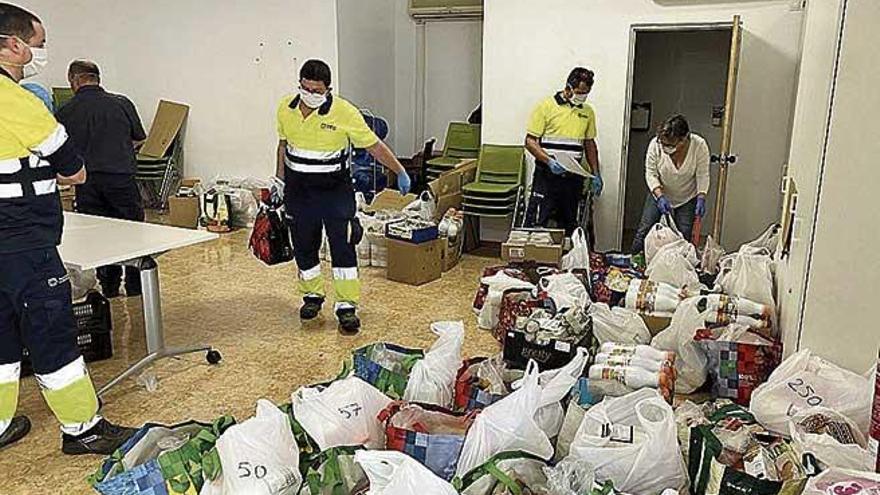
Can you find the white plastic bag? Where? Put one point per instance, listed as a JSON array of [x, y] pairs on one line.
[[424, 208], [555, 386], [565, 290], [572, 476], [631, 441], [691, 361], [828, 450], [579, 256], [498, 283], [260, 456], [342, 414], [712, 254], [507, 425], [619, 325], [395, 473], [432, 379], [673, 264], [768, 240], [843, 481], [661, 234], [804, 381], [749, 275]]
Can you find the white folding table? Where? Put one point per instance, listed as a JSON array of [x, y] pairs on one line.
[[90, 242]]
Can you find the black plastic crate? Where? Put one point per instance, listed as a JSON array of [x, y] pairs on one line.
[[95, 330], [550, 355]]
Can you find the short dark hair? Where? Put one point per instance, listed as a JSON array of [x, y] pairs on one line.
[[674, 127], [580, 75], [15, 21], [315, 70], [85, 69]]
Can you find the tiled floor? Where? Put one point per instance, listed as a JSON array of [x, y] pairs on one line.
[[219, 294]]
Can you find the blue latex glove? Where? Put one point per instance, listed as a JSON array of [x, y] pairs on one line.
[[664, 205], [597, 184], [404, 184], [556, 167], [701, 207]]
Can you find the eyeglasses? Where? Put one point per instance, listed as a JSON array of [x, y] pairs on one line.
[[313, 91]]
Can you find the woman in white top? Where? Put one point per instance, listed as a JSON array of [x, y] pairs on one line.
[[677, 173]]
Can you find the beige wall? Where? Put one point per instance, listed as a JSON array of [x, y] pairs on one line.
[[206, 55], [529, 47], [836, 253]]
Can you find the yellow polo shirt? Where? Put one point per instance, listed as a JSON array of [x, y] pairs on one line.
[[562, 127], [319, 143]]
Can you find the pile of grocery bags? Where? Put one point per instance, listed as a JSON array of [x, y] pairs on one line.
[[585, 397]]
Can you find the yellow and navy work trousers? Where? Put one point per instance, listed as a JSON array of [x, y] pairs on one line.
[[36, 313], [321, 205]]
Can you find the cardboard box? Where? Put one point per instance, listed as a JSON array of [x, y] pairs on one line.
[[190, 182], [183, 212], [445, 185], [444, 203], [390, 199], [451, 252], [468, 171], [415, 264], [166, 125], [514, 252], [412, 230]]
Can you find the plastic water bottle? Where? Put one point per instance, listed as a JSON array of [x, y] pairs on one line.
[[629, 360], [642, 351], [632, 377]]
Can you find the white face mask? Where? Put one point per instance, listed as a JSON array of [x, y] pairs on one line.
[[312, 100], [39, 58], [669, 150], [39, 61], [578, 99]]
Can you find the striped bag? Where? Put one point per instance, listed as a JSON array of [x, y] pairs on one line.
[[429, 434], [163, 460], [386, 366], [473, 383]]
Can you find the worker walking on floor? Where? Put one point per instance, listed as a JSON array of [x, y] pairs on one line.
[[105, 128], [563, 128], [316, 132], [35, 295]]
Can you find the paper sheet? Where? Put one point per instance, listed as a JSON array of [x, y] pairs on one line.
[[573, 166]]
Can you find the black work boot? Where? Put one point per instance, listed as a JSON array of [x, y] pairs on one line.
[[310, 308], [18, 428], [349, 323], [103, 438]]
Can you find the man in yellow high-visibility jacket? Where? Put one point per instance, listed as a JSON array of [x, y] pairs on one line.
[[35, 295], [317, 130]]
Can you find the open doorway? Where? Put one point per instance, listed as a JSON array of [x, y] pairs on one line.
[[674, 70]]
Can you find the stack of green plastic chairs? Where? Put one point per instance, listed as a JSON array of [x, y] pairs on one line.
[[500, 175], [462, 143], [159, 176]]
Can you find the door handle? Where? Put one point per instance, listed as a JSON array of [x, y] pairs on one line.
[[723, 159]]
